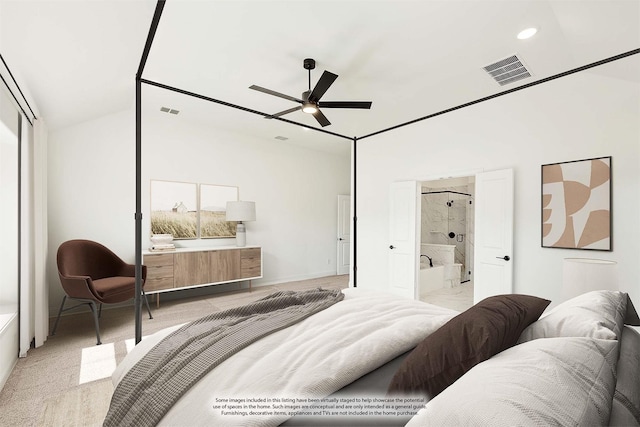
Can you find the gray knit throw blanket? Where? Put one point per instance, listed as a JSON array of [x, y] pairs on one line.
[[168, 370]]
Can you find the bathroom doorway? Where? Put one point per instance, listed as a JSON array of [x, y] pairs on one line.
[[447, 236], [489, 250]]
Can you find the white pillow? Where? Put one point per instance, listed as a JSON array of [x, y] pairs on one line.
[[555, 381], [596, 314]]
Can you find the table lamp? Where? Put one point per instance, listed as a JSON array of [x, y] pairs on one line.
[[241, 211]]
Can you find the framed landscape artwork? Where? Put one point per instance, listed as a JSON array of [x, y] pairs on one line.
[[174, 207], [213, 208], [576, 204]]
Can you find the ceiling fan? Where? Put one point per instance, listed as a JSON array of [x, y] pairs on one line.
[[310, 101]]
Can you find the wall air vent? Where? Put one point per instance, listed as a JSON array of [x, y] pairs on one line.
[[508, 70], [281, 138]]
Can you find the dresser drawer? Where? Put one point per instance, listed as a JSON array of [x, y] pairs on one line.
[[158, 284], [160, 271], [250, 263], [250, 253], [158, 260]]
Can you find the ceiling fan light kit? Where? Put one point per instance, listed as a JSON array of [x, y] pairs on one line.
[[309, 108], [310, 102]]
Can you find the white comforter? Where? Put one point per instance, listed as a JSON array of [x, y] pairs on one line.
[[313, 358]]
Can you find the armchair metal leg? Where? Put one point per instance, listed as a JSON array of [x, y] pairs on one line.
[[92, 306], [55, 325], [146, 301], [94, 310]]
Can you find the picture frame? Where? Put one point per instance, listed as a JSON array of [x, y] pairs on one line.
[[576, 204], [174, 209], [212, 212]]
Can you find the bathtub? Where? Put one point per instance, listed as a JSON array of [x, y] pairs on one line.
[[431, 278]]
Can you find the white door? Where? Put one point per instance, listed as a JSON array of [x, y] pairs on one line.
[[344, 229], [493, 234], [403, 238]]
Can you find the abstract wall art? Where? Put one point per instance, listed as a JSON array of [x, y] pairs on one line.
[[576, 204]]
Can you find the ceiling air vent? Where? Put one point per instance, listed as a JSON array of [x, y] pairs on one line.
[[508, 70], [169, 110]]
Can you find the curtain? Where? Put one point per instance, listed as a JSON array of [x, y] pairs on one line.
[[41, 300], [26, 238], [34, 292]]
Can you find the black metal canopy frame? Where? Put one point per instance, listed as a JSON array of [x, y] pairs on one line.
[[33, 115], [139, 80]]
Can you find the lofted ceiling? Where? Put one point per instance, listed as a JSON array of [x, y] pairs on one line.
[[410, 58]]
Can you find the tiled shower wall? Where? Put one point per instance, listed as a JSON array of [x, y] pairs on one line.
[[443, 213]]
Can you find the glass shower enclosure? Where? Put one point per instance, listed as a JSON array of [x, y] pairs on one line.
[[447, 219]]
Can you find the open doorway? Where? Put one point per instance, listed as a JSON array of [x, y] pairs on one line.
[[447, 242], [491, 241]]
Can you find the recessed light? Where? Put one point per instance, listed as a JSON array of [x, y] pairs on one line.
[[525, 34]]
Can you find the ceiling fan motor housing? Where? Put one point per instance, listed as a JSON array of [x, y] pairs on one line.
[[309, 64]]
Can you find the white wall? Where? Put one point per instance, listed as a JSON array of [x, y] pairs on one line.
[[92, 189], [576, 117]]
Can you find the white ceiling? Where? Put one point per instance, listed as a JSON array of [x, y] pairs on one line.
[[411, 58]]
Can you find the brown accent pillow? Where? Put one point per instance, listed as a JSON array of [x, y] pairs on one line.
[[489, 327]]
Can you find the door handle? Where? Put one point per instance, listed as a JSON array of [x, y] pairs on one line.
[[506, 257], [391, 247]]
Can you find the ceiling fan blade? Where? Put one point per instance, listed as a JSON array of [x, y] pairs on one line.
[[345, 104], [321, 87], [282, 113], [321, 118], [274, 93]]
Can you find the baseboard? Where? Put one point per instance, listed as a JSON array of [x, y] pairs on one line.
[[260, 282]]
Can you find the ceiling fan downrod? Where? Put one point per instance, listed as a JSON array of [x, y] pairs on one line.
[[309, 64]]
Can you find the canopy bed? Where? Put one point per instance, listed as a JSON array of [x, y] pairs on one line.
[[354, 140], [368, 359]]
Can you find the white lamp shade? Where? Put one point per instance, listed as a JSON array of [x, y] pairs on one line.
[[581, 275], [241, 211]]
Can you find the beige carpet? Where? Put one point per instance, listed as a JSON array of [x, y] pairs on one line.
[[67, 381]]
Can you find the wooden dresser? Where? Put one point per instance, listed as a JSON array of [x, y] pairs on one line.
[[187, 268]]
